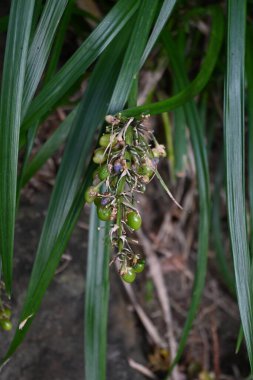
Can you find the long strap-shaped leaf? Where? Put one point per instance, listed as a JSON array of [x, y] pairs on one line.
[[197, 139], [249, 72], [40, 47], [133, 55], [96, 298], [87, 53], [10, 115], [90, 115], [234, 142], [49, 148], [201, 79], [162, 18]]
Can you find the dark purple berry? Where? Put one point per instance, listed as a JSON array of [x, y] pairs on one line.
[[117, 167], [104, 201]]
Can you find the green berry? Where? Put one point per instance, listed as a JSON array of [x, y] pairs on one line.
[[139, 266], [6, 324], [7, 313], [90, 194], [104, 213], [145, 170], [103, 172], [97, 201], [129, 275], [133, 220], [104, 140], [99, 156]]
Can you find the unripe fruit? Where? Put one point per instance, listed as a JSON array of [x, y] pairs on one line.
[[145, 170], [99, 156], [139, 266], [6, 324], [97, 201], [104, 140], [104, 213], [7, 313], [103, 172], [90, 194], [129, 275], [133, 220]]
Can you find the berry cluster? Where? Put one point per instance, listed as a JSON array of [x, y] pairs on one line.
[[128, 156]]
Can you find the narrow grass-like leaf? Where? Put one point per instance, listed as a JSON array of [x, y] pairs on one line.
[[162, 18], [40, 47], [87, 53], [225, 271], [97, 298], [179, 124], [167, 127], [49, 148], [133, 54], [249, 73], [59, 41], [179, 141], [10, 116], [31, 134], [234, 142], [197, 139], [201, 79], [89, 117]]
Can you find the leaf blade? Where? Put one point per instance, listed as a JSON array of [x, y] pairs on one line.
[[234, 139], [81, 60], [10, 117]]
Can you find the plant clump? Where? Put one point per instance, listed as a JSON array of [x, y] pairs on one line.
[[128, 156]]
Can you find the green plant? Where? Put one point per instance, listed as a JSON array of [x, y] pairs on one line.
[[32, 88]]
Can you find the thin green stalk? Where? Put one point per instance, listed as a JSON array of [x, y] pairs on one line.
[[169, 143]]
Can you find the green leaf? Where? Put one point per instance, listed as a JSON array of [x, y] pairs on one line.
[[225, 271], [49, 148], [133, 55], [249, 72], [197, 139], [40, 47], [96, 298], [179, 141], [234, 142], [87, 53], [59, 41], [10, 116], [87, 121], [162, 18], [201, 79]]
